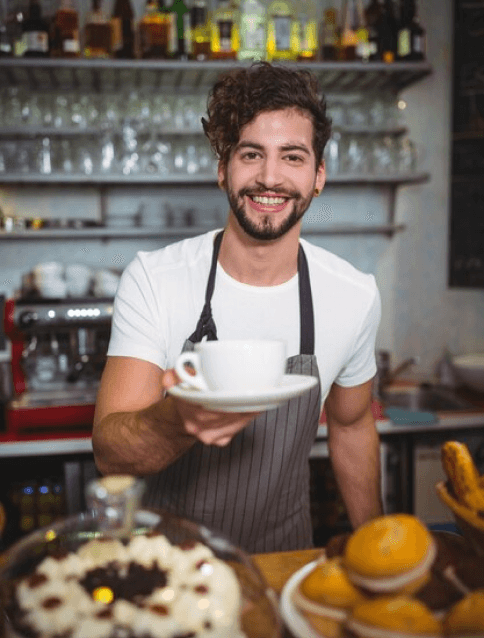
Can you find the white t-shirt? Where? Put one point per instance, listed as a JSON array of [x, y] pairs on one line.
[[161, 295]]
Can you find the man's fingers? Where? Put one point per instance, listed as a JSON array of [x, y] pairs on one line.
[[170, 378]]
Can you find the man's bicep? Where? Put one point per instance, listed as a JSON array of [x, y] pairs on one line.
[[127, 385], [347, 405]]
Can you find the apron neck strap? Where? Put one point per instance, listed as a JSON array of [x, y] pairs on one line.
[[206, 326]]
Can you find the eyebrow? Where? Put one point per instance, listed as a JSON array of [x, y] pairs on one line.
[[284, 147]]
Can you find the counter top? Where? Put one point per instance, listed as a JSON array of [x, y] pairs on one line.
[[278, 567], [65, 442]]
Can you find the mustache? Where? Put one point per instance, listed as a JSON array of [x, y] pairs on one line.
[[250, 192]]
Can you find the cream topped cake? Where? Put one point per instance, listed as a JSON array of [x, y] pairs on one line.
[[145, 588]]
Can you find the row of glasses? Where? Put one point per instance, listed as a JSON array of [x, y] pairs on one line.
[[371, 155], [113, 153], [374, 112], [81, 110], [131, 152]]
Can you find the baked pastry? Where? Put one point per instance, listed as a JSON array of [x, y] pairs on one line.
[[393, 617], [145, 587], [325, 597], [466, 618], [390, 554]]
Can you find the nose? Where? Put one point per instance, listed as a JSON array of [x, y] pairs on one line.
[[269, 174]]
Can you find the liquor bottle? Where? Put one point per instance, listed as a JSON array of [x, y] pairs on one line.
[[330, 35], [200, 47], [307, 26], [5, 39], [179, 31], [122, 30], [362, 34], [387, 30], [14, 24], [97, 33], [154, 31], [65, 32], [225, 42], [411, 35], [349, 26], [253, 30], [35, 32], [282, 31], [373, 13]]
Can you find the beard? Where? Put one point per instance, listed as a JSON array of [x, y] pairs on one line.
[[267, 229]]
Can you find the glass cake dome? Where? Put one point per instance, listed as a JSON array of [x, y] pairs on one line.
[[119, 571]]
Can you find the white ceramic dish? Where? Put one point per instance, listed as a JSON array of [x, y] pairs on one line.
[[292, 385], [291, 616]]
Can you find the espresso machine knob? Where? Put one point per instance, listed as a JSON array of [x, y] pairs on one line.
[[27, 318]]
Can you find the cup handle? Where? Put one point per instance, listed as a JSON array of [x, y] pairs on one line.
[[194, 381]]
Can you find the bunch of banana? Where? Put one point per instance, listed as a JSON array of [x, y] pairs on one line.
[[467, 484]]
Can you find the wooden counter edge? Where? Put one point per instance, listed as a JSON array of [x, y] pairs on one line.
[[278, 567]]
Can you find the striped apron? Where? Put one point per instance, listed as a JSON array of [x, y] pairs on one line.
[[255, 491]]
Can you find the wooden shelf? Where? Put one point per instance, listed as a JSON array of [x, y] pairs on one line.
[[168, 75]]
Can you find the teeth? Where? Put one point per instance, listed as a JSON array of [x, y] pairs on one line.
[[272, 201]]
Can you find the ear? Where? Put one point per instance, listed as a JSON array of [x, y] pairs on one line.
[[221, 173], [320, 176]]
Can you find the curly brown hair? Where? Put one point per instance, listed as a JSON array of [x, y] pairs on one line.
[[240, 95]]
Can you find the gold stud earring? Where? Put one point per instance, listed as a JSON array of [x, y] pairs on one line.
[[317, 192], [221, 185]]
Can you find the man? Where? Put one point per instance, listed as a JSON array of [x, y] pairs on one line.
[[247, 475]]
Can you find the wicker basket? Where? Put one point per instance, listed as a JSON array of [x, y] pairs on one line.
[[469, 522]]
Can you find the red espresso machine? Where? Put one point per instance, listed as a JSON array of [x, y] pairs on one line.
[[58, 354]]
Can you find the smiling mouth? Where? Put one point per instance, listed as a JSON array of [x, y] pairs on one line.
[[268, 200]]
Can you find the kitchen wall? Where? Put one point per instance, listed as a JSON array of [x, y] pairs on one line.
[[421, 316]]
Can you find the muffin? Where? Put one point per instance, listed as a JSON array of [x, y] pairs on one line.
[[466, 618], [393, 617], [390, 554]]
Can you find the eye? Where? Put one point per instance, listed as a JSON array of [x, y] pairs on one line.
[[295, 159], [250, 155]]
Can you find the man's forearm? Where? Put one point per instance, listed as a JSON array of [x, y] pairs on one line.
[[355, 455], [138, 443]]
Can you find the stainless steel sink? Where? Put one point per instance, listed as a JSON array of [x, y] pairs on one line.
[[426, 397]]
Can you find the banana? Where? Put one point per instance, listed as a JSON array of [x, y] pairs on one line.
[[462, 473]]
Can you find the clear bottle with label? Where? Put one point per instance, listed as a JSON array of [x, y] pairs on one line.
[[253, 30], [122, 30], [35, 32], [97, 33], [307, 25], [225, 41], [200, 47], [349, 26], [65, 31], [282, 31], [411, 35]]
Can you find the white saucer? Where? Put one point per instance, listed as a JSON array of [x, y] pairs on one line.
[[292, 385]]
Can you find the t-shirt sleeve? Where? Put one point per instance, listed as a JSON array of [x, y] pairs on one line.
[[361, 364], [135, 328]]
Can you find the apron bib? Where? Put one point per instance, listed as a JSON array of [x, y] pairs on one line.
[[255, 490]]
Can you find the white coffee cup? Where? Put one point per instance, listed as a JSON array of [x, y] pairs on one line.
[[234, 366]]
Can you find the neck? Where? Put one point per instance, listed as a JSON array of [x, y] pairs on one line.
[[256, 262]]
